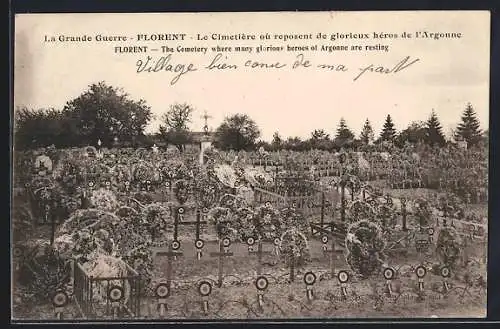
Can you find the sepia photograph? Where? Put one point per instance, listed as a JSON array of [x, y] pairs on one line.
[[250, 166]]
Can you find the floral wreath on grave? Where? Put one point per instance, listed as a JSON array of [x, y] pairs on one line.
[[422, 210], [121, 173], [226, 175], [206, 192], [360, 209], [140, 259], [365, 247], [223, 218], [69, 173], [104, 199], [158, 220], [449, 246], [244, 223], [293, 217], [270, 221], [143, 171], [231, 201], [385, 215], [43, 273], [294, 247], [182, 190]]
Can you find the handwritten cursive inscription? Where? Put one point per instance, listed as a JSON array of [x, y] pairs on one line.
[[403, 64], [222, 63], [163, 63]]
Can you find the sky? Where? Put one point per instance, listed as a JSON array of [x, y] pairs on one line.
[[449, 73]]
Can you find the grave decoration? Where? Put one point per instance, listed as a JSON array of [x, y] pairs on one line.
[[449, 247], [261, 283], [162, 292], [294, 250], [309, 280], [42, 272], [223, 252], [205, 289], [60, 300], [365, 247], [343, 277]]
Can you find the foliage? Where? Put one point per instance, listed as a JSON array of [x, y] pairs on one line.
[[367, 136], [388, 133], [344, 136], [237, 132], [103, 112], [468, 130], [175, 127], [434, 131], [449, 246], [37, 128], [415, 132], [365, 245], [43, 273], [294, 247]]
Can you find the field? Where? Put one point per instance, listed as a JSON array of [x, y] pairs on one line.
[[364, 295]]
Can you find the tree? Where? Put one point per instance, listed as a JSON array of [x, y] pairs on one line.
[[104, 112], [319, 134], [237, 132], [320, 140], [388, 133], [37, 128], [367, 136], [294, 143], [415, 132], [344, 136], [175, 127], [434, 131], [468, 130]]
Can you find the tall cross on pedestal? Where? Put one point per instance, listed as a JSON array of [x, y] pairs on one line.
[[206, 117]]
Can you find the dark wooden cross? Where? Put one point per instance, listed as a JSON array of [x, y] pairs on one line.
[[404, 213], [259, 254], [333, 255], [292, 269], [178, 220], [197, 223], [170, 254], [221, 254]]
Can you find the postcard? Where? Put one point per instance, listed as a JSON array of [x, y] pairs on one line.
[[250, 166]]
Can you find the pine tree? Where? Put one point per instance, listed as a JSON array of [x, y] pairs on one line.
[[388, 131], [344, 134], [367, 135], [433, 131], [468, 130]]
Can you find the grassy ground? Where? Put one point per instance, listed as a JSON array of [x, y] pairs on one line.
[[237, 299]]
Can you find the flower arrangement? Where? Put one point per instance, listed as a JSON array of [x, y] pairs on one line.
[[365, 246], [104, 199], [448, 246], [294, 247]]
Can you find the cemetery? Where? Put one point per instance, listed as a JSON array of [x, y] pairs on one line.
[[121, 233]]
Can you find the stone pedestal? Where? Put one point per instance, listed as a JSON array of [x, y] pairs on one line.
[[205, 145]]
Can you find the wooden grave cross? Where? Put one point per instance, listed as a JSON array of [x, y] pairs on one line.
[[260, 252], [333, 252], [171, 253], [223, 252], [197, 223]]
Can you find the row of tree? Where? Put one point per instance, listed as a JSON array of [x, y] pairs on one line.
[[108, 114]]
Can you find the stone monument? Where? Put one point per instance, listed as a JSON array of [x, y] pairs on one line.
[[206, 142]]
